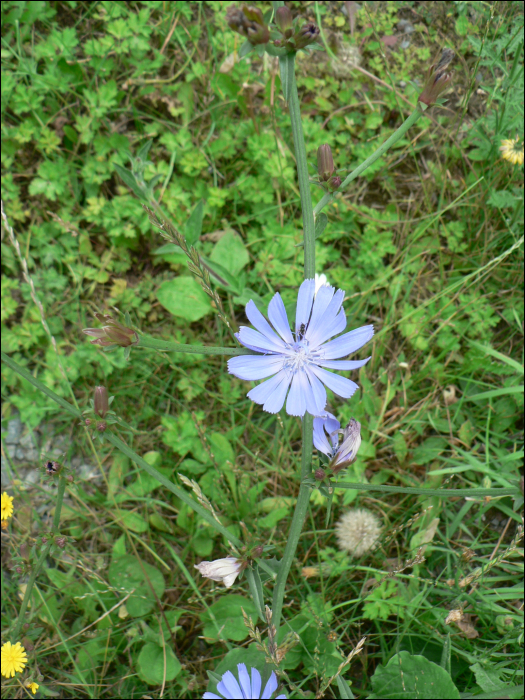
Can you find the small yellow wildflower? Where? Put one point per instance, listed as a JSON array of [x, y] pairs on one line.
[[512, 151], [6, 506], [33, 687], [14, 659]]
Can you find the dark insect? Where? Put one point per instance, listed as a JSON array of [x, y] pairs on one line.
[[302, 331], [51, 468]]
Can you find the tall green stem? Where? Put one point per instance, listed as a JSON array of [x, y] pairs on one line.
[[405, 126], [147, 341], [297, 521], [41, 559]]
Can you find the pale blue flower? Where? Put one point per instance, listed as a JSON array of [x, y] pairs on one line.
[[299, 361], [245, 687], [326, 439]]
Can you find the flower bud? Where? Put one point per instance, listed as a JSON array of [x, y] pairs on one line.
[[25, 626], [347, 451], [223, 570], [69, 478], [437, 79], [101, 405], [325, 162], [27, 644], [248, 21], [334, 183], [111, 333], [283, 19], [320, 474], [61, 541], [257, 551], [24, 551], [101, 427], [44, 539], [19, 570], [306, 35], [88, 422]]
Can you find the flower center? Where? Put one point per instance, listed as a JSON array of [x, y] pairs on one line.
[[300, 356]]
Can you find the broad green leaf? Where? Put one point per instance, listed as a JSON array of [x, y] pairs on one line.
[[231, 253], [429, 450], [229, 623], [193, 228], [127, 574], [406, 676], [155, 664], [185, 298]]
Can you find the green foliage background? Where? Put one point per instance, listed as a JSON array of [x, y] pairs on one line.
[[427, 245]]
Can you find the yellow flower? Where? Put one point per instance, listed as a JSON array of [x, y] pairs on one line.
[[33, 687], [6, 506], [14, 659], [512, 151]]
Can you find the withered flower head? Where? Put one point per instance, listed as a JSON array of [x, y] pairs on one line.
[[101, 402], [248, 21], [111, 333], [437, 78], [325, 162]]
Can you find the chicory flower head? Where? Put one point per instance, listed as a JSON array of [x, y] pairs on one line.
[[245, 687], [299, 361], [326, 439]]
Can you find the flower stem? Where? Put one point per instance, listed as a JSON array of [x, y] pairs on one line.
[[302, 173], [296, 527], [41, 559], [405, 126], [147, 341]]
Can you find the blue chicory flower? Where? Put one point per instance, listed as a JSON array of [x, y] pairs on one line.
[[326, 439], [229, 687], [299, 360]]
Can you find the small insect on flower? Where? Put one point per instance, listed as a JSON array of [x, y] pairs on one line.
[[52, 468]]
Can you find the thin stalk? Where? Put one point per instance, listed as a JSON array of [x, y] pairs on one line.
[[302, 174], [405, 126], [443, 493], [297, 521], [41, 559], [147, 341]]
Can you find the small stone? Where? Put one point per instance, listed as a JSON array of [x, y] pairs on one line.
[[14, 430]]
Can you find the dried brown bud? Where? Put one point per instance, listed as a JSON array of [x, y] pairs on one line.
[[437, 78], [101, 427], [101, 405], [111, 333], [325, 162], [248, 21], [306, 35], [283, 19], [320, 474], [61, 541], [334, 183]]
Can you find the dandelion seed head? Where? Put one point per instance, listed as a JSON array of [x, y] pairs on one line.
[[357, 531]]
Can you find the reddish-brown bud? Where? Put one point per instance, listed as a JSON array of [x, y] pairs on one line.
[[248, 21], [60, 541], [334, 183], [27, 644], [325, 162], [26, 626], [24, 551], [101, 427], [88, 422], [283, 19], [437, 78], [101, 405], [257, 551], [320, 474], [44, 539], [111, 333], [19, 570], [69, 478]]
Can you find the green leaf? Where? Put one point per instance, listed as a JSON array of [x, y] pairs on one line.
[[429, 450], [193, 227], [231, 253], [344, 689], [129, 179], [229, 622], [320, 224], [127, 573], [406, 676], [184, 297], [132, 521], [400, 447], [156, 664]]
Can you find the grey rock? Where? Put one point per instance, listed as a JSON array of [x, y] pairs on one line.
[[14, 430]]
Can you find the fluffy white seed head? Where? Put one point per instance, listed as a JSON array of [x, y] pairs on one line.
[[357, 530]]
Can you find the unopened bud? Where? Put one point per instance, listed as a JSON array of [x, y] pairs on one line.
[[334, 183], [347, 450], [19, 570], [283, 19], [248, 21], [111, 333], [88, 422], [101, 427], [60, 541], [26, 626], [325, 162], [27, 644], [44, 539], [101, 405], [306, 35], [437, 78], [69, 478], [257, 551], [320, 474]]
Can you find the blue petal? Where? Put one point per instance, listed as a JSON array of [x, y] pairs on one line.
[[343, 364], [277, 315], [211, 696], [257, 319], [347, 343], [321, 302], [228, 687], [262, 392], [248, 336], [253, 367], [332, 318], [318, 390], [339, 385], [244, 680], [275, 401], [281, 697], [256, 683], [304, 303], [296, 403], [271, 686], [320, 440]]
